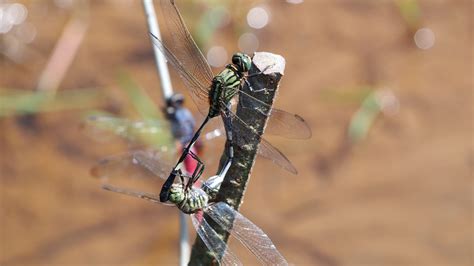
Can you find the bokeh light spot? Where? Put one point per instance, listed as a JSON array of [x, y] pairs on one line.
[[16, 13], [64, 4], [295, 2], [424, 38], [387, 101], [248, 43], [258, 17], [217, 56]]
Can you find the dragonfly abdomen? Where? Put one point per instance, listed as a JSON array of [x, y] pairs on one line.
[[188, 201]]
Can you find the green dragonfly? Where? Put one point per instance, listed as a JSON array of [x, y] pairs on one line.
[[213, 95], [192, 200]]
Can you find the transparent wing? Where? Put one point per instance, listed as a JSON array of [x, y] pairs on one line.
[[141, 195], [198, 90], [270, 152], [293, 126], [280, 123], [103, 126], [183, 46], [196, 73], [156, 162], [250, 235], [137, 194], [213, 242], [133, 164], [183, 53], [266, 150]]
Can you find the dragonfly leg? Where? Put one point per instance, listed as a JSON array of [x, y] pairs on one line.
[[187, 149], [165, 189], [181, 178], [264, 90], [261, 72], [227, 119], [258, 109], [197, 171], [212, 185]]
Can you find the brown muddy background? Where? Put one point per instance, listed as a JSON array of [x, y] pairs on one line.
[[402, 196]]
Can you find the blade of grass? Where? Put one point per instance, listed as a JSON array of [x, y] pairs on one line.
[[18, 102], [139, 99]]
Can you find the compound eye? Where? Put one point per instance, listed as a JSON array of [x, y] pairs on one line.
[[236, 60]]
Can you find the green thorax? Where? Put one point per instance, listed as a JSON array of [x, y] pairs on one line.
[[224, 87]]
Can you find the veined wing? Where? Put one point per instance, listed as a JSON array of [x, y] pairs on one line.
[[213, 242], [280, 123], [183, 53], [196, 73], [203, 229], [141, 195], [266, 150], [250, 235], [137, 194], [100, 126], [133, 164], [270, 152], [183, 46], [198, 90]]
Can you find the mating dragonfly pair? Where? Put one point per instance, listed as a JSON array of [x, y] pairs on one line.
[[213, 95]]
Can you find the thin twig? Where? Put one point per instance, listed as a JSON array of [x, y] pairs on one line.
[[167, 92], [160, 59], [65, 50]]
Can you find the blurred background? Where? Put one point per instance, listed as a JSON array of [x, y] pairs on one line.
[[386, 86]]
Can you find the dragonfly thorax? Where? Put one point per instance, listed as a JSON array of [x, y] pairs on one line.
[[224, 87], [188, 200]]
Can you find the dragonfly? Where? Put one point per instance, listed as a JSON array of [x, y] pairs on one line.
[[213, 95], [197, 202]]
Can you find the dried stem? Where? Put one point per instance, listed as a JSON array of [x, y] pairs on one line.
[[167, 92]]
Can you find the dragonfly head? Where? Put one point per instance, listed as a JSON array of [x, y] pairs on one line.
[[177, 194], [242, 61]]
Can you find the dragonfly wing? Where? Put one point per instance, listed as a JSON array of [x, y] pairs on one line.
[[126, 164], [270, 152], [198, 90], [154, 161], [141, 195], [250, 235], [280, 123], [266, 149], [183, 45], [183, 53], [213, 242], [247, 134], [98, 126], [293, 126]]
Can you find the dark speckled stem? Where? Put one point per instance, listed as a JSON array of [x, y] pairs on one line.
[[233, 187]]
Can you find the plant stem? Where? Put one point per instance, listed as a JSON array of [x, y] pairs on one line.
[[167, 92]]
